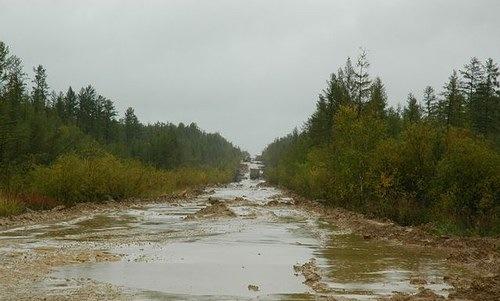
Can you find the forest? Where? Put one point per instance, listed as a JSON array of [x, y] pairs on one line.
[[71, 146], [433, 162]]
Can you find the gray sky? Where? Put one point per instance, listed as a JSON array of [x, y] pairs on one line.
[[250, 70]]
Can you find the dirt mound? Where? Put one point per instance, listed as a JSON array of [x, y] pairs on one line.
[[215, 209], [278, 203], [422, 295], [311, 273], [484, 288], [240, 201]]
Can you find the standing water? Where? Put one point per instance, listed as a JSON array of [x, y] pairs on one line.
[[166, 256]]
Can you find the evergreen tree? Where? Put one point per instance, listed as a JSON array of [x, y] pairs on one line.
[[430, 102], [378, 99], [320, 123], [58, 101], [4, 61], [347, 78], [14, 90], [40, 89], [87, 109], [107, 115], [485, 109], [473, 76], [132, 125], [70, 105], [452, 105], [362, 79], [412, 112]]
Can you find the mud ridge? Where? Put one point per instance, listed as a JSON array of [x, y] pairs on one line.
[[311, 273], [215, 209]]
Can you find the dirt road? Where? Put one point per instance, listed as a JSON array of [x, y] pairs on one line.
[[243, 241]]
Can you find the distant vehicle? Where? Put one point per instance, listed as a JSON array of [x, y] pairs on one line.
[[254, 173]]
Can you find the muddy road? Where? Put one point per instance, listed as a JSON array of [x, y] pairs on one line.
[[242, 241]]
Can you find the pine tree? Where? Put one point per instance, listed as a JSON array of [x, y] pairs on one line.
[[485, 109], [452, 105], [412, 112], [4, 61], [473, 76], [347, 80], [132, 125], [14, 90], [107, 114], [320, 123], [491, 72], [70, 105], [430, 103], [362, 79], [378, 99], [58, 104], [40, 89], [87, 110]]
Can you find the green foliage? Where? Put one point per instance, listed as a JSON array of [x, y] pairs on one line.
[[468, 182], [412, 168]]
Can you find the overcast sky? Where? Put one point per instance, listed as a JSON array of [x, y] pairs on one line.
[[250, 70]]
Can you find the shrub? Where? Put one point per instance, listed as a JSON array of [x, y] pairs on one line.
[[10, 206], [75, 178], [468, 182]]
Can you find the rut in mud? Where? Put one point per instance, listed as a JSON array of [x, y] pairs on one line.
[[242, 241]]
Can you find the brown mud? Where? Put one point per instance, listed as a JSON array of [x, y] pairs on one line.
[[479, 256], [61, 213]]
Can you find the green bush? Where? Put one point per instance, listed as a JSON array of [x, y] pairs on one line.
[[468, 183]]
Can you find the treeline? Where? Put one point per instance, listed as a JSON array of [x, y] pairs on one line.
[[42, 129], [435, 160]]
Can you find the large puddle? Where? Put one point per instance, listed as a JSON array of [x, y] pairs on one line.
[[168, 258]]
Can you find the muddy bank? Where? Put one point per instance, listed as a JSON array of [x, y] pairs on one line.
[[19, 271], [478, 255], [62, 213]]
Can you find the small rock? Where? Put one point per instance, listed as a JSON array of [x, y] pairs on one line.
[[252, 287]]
